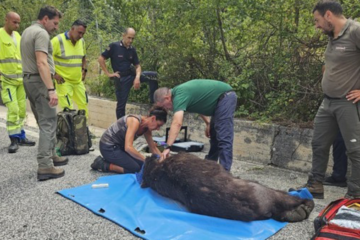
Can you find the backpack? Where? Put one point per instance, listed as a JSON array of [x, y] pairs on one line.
[[326, 230], [72, 133]]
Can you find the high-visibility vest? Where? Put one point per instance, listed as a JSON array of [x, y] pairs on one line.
[[10, 56], [68, 57]]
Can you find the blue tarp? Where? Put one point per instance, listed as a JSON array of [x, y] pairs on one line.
[[150, 216]]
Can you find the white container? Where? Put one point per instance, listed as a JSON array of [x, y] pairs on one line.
[[100, 185]]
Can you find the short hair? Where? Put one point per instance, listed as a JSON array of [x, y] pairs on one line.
[[159, 112], [160, 94], [328, 5], [126, 30], [79, 22], [49, 11]]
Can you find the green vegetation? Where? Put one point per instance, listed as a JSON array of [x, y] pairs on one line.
[[269, 51]]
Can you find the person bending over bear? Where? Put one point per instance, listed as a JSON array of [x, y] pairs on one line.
[[206, 188]]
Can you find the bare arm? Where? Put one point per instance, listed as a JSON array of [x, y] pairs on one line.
[[83, 68], [45, 74], [173, 133], [133, 126], [207, 122], [152, 146], [102, 63], [175, 127], [137, 77]]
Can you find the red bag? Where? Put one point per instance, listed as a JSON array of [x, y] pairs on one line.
[[324, 230]]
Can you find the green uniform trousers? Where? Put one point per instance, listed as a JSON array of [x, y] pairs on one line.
[[46, 119], [68, 91], [14, 97], [334, 115]]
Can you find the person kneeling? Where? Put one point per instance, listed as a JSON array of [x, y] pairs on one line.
[[116, 144]]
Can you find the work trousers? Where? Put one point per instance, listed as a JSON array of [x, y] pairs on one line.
[[45, 117], [222, 131], [123, 86], [115, 155], [334, 115], [67, 92], [14, 98], [340, 159]]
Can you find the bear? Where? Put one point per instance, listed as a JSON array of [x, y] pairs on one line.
[[205, 187]]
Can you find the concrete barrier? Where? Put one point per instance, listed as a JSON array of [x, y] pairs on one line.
[[286, 147]]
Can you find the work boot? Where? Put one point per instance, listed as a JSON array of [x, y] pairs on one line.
[[100, 165], [316, 188], [59, 161], [26, 142], [331, 181], [13, 145], [49, 173]]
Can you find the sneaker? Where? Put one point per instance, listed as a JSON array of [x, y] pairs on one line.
[[59, 161], [49, 173], [349, 196], [100, 165], [26, 142], [330, 181], [316, 188]]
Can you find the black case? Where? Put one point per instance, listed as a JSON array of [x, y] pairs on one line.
[[185, 145]]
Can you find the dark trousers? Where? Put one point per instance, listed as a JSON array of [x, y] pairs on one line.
[[222, 131], [340, 159], [123, 86], [115, 155]]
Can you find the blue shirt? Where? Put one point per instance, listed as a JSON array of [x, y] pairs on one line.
[[121, 57]]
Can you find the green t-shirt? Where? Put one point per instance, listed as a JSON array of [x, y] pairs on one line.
[[198, 96]]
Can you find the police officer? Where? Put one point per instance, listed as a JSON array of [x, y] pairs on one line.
[[70, 67], [123, 55], [13, 93]]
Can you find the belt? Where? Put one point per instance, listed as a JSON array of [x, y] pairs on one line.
[[126, 73], [332, 98], [224, 94], [28, 75]]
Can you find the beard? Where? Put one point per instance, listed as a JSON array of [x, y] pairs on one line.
[[329, 29]]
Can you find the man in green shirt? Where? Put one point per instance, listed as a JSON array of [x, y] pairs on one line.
[[209, 98]]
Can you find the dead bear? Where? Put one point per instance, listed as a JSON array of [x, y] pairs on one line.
[[204, 187]]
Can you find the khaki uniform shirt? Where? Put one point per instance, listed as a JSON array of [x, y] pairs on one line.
[[342, 62]]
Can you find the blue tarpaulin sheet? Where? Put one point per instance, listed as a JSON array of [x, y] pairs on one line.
[[150, 216]]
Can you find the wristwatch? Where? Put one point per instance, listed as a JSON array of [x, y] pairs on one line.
[[85, 70], [165, 146]]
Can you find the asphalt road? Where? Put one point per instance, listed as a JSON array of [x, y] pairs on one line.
[[32, 210]]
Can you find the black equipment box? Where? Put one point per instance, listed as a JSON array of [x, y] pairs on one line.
[[180, 145]]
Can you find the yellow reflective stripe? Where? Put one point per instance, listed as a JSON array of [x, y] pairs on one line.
[[68, 64], [70, 57], [12, 75], [10, 60], [62, 49]]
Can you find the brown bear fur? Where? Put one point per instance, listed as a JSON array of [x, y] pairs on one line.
[[204, 187]]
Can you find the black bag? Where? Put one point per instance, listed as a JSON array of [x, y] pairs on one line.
[[72, 133]]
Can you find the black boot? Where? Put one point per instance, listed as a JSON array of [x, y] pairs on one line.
[[14, 145], [26, 142]]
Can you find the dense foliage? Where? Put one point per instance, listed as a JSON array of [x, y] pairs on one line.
[[269, 51]]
